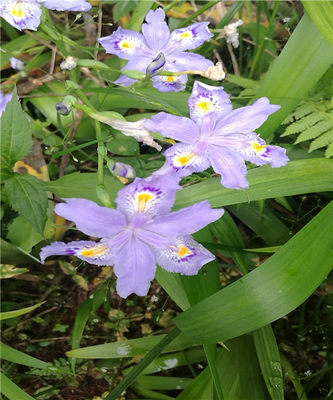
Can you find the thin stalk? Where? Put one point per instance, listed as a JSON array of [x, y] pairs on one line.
[[199, 12], [262, 45], [100, 160], [135, 371], [169, 7], [210, 351]]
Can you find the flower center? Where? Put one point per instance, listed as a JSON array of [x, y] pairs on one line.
[[143, 201], [169, 79], [185, 159], [17, 11], [127, 46], [183, 251], [94, 252], [204, 105], [258, 147]]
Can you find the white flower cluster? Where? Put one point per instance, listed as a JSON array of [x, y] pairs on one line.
[[230, 31]]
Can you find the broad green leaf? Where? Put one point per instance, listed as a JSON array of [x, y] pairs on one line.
[[129, 348], [269, 360], [200, 389], [10, 254], [123, 145], [163, 382], [264, 223], [122, 8], [15, 134], [239, 371], [28, 197], [12, 48], [269, 292], [17, 313], [17, 357], [321, 14], [11, 390], [139, 14], [82, 185], [297, 177], [302, 62]]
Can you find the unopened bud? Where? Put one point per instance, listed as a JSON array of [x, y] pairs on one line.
[[16, 64], [65, 107], [103, 196], [68, 63], [121, 170], [156, 66], [215, 72]]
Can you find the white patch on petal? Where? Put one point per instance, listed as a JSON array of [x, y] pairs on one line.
[[129, 45], [100, 251], [19, 10]]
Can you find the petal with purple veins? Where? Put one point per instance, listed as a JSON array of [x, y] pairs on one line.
[[172, 126], [66, 5], [246, 119], [134, 267], [173, 83], [126, 44], [21, 14], [91, 218], [231, 166], [186, 159], [183, 61], [150, 197], [97, 253], [260, 153], [156, 31], [190, 37], [185, 221], [205, 99], [184, 255]]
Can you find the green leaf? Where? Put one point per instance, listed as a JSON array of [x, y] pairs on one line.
[[17, 357], [15, 134], [123, 145], [303, 60], [82, 185], [28, 197], [239, 371], [129, 348], [122, 8], [269, 360], [200, 389], [321, 14], [297, 177], [290, 276], [139, 14], [11, 390], [10, 254], [163, 382], [17, 313]]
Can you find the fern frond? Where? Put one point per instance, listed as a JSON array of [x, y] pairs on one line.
[[305, 123], [314, 131], [329, 151], [322, 141], [301, 111]]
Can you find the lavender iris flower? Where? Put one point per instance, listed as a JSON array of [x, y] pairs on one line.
[[139, 234], [4, 99], [217, 136], [25, 14], [141, 49]]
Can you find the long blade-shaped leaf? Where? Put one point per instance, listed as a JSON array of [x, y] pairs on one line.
[[269, 292], [297, 177], [15, 356], [11, 390]]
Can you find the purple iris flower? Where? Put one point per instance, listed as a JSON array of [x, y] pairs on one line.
[[4, 99], [25, 14], [139, 234], [142, 49], [217, 136]]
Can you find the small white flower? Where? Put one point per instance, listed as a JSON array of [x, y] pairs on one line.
[[232, 36], [215, 72], [68, 64]]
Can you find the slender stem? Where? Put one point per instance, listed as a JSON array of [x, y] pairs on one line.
[[267, 34], [100, 163], [172, 4], [210, 351], [199, 12], [135, 371]]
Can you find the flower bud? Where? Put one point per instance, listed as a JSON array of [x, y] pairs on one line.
[[156, 66], [65, 107], [16, 64], [123, 170], [103, 196]]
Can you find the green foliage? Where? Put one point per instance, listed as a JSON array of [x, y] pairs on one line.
[[27, 196], [15, 135], [312, 120]]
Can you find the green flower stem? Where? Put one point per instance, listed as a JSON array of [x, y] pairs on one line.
[[148, 358], [89, 109]]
